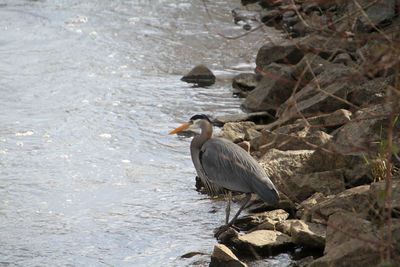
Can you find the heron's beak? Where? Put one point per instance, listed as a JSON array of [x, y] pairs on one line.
[[180, 128]]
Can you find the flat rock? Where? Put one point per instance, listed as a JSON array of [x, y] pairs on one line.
[[356, 200], [264, 220], [223, 256], [263, 242], [257, 117], [235, 131], [245, 82], [275, 88], [285, 52], [307, 234], [200, 75], [302, 186]]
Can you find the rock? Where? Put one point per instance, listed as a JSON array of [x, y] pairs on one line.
[[284, 226], [271, 17], [342, 227], [371, 92], [364, 132], [263, 242], [227, 236], [350, 241], [380, 13], [308, 138], [200, 75], [251, 133], [307, 234], [324, 122], [378, 192], [356, 200], [285, 52], [323, 94], [301, 186], [304, 208], [326, 158], [235, 131], [223, 256], [245, 82], [274, 88], [257, 117], [284, 164], [342, 58], [268, 219]]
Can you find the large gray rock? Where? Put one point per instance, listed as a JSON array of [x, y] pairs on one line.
[[356, 200], [302, 186], [274, 88], [354, 241], [308, 234], [326, 93], [374, 14], [200, 75], [364, 132], [263, 242], [258, 117], [263, 221], [245, 82], [285, 52], [378, 194], [223, 256]]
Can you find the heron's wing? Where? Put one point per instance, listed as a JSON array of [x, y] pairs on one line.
[[228, 165]]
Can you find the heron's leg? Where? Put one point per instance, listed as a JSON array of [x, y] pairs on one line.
[[228, 206], [248, 196]]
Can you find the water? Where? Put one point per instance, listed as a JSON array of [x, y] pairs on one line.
[[89, 91]]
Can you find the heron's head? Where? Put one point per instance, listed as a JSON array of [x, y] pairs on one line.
[[192, 124]]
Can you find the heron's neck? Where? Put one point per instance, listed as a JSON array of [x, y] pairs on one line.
[[206, 133]]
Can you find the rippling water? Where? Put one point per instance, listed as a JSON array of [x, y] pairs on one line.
[[89, 92]]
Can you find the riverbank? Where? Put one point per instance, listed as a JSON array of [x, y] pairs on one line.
[[323, 108]]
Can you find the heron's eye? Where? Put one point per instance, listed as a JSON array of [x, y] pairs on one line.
[[191, 122]]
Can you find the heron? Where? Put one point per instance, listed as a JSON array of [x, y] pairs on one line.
[[223, 166]]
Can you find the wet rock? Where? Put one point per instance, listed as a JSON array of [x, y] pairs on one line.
[[200, 75], [356, 200], [263, 242], [285, 52], [245, 82], [227, 236], [223, 256], [235, 131], [274, 88], [264, 220], [258, 117], [307, 234]]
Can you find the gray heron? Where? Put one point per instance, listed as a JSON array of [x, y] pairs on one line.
[[220, 164]]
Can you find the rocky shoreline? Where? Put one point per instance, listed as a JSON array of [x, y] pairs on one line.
[[322, 120]]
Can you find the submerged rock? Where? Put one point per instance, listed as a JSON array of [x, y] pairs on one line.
[[200, 75]]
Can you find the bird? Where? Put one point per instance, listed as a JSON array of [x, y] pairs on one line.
[[224, 166]]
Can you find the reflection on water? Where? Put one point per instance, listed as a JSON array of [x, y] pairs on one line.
[[89, 91]]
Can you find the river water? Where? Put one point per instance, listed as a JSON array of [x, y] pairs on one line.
[[89, 91]]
